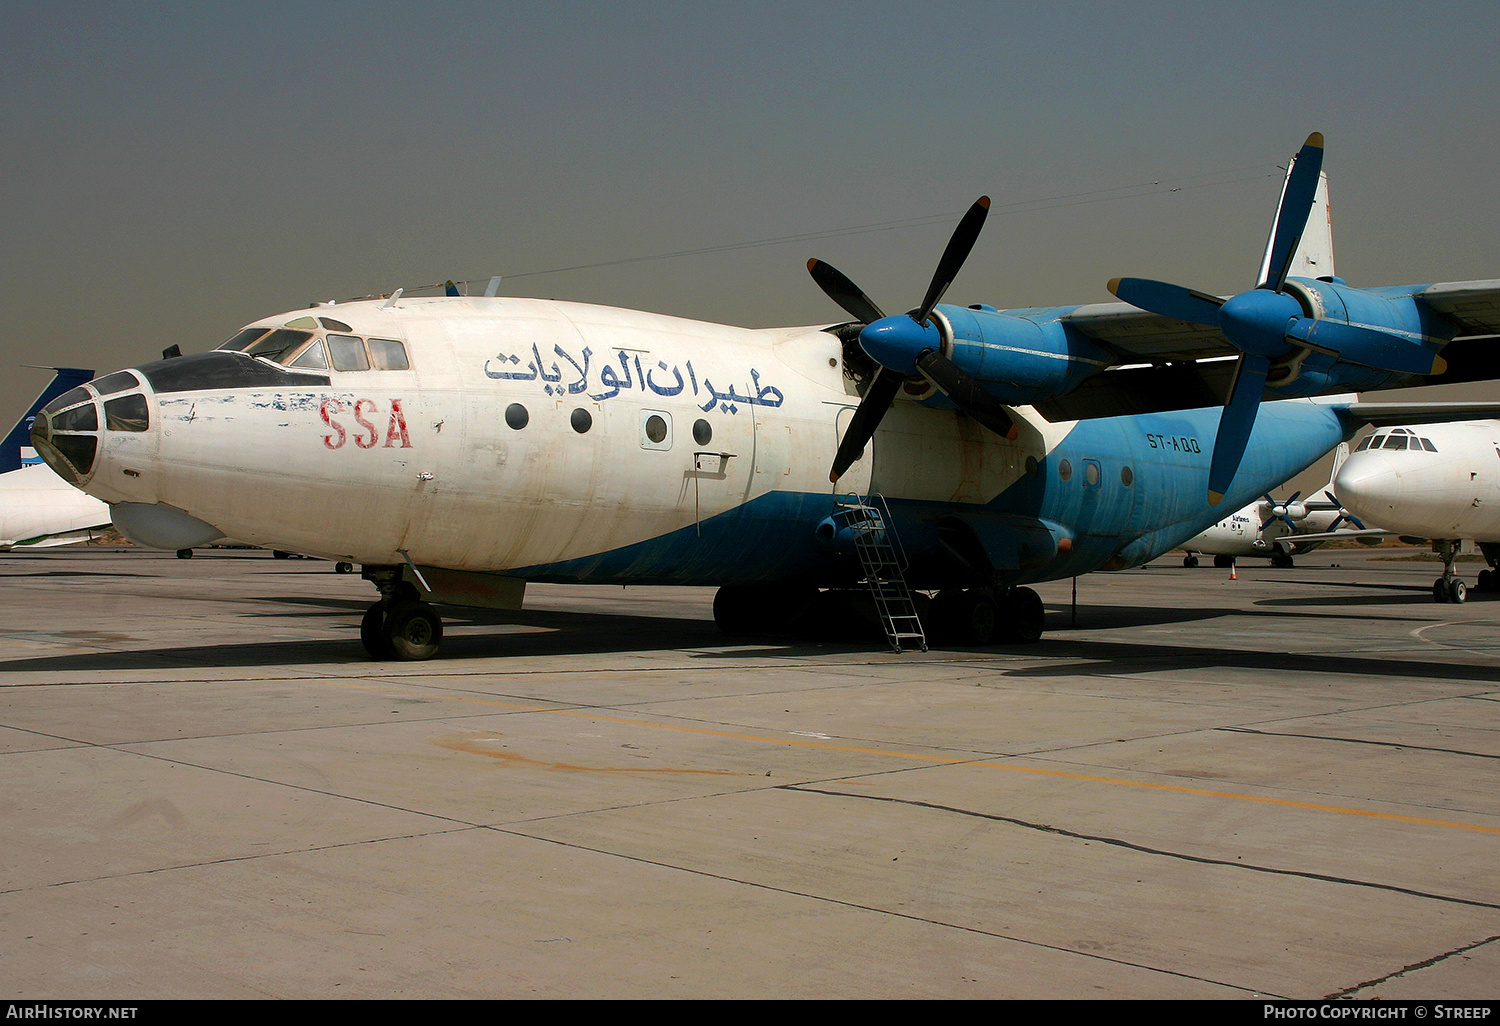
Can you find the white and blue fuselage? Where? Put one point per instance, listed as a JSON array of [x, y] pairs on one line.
[[553, 441]]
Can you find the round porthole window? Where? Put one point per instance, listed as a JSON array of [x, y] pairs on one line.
[[1065, 471], [1127, 476], [703, 432], [516, 416], [1031, 466], [581, 420], [656, 427]]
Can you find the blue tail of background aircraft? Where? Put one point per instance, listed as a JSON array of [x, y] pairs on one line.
[[20, 436]]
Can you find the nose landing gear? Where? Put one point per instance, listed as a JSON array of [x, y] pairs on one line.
[[399, 626], [1448, 588]]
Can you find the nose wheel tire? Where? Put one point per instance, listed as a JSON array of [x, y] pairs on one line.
[[409, 631], [1449, 589]]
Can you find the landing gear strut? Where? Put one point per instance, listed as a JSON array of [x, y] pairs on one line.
[[400, 625], [1448, 588]]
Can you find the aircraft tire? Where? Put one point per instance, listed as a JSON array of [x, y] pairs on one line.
[[1190, 561], [1457, 590], [1487, 580], [1223, 562], [342, 567], [1282, 561], [372, 633], [184, 553], [413, 630], [979, 620], [1024, 616]]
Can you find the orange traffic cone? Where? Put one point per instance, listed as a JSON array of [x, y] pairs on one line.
[[1233, 571]]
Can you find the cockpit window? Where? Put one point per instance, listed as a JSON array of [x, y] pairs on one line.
[[312, 356], [244, 338], [116, 382], [1396, 442], [278, 342], [1427, 444], [348, 353], [387, 354], [127, 413], [333, 325], [1365, 444]]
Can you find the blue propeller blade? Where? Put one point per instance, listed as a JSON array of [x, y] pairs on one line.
[[1368, 347], [1236, 423], [1291, 217], [1169, 300]]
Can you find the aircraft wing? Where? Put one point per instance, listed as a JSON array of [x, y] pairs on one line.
[[1290, 541], [1162, 363], [1388, 414], [1473, 305]]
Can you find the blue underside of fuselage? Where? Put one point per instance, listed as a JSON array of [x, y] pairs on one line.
[[1144, 495]]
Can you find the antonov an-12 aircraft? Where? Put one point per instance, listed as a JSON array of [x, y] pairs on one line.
[[458, 447]]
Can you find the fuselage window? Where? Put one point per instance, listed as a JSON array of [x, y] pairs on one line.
[[1127, 476], [516, 416], [581, 420], [1031, 466], [312, 356], [387, 354], [348, 353], [1065, 471], [127, 413], [656, 430], [703, 432], [1091, 473]]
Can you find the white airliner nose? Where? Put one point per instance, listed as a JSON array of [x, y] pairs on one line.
[[1368, 485]]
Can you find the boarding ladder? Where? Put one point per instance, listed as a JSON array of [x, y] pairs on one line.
[[880, 555]]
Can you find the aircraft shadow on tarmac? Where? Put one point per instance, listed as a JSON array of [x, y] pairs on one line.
[[560, 633]]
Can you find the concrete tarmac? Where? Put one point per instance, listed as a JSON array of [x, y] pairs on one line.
[[1283, 786]]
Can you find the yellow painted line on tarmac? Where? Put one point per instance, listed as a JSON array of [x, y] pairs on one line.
[[947, 760]]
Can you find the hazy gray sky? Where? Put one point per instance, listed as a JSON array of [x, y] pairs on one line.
[[173, 171]]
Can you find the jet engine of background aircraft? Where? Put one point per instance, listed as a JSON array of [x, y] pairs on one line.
[[1298, 337]]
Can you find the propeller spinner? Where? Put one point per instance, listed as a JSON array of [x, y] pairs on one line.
[[908, 345], [1267, 324]]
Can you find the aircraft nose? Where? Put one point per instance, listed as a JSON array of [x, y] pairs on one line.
[[66, 434], [70, 432], [1367, 485]]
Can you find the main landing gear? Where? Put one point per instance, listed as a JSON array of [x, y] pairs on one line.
[[400, 625], [973, 616]]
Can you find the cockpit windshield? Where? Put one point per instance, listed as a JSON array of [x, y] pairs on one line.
[[324, 346], [1400, 438]]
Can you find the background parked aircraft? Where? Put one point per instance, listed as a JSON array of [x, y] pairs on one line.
[[1432, 480], [1274, 529], [38, 508]]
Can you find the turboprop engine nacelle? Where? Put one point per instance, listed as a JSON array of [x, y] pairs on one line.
[[1355, 339], [1019, 357]]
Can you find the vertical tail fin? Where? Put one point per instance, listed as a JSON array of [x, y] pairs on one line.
[[16, 449], [1314, 254]]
